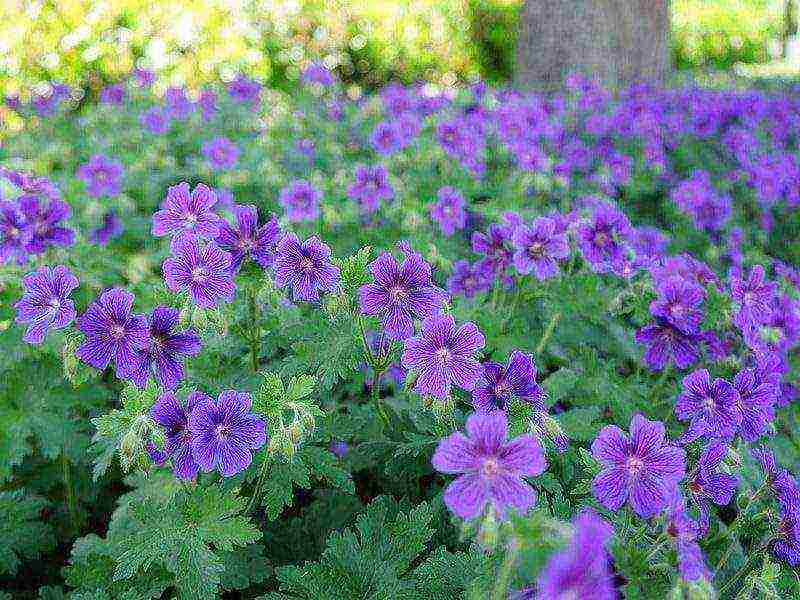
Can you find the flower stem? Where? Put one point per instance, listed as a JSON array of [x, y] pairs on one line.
[[548, 332], [69, 493], [500, 591], [255, 334], [743, 569], [255, 499], [735, 524]]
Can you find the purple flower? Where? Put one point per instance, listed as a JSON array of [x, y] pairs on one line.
[[244, 90], [755, 295], [306, 267], [174, 419], [301, 201], [339, 448], [468, 280], [711, 407], [188, 213], [490, 469], [110, 229], [42, 223], [371, 187], [443, 355], [205, 271], [224, 433], [386, 138], [756, 403], [710, 483], [45, 304], [317, 73], [495, 246], [156, 120], [113, 333], [499, 384], [12, 232], [602, 239], [787, 546], [639, 469], [666, 344], [538, 247], [102, 175], [208, 104], [246, 238], [679, 304], [113, 94], [178, 106], [448, 211], [221, 153], [144, 77], [400, 293], [582, 569], [686, 531], [162, 357]]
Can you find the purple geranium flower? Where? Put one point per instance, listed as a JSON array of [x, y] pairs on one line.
[[12, 232], [538, 247], [685, 531], [113, 94], [491, 469], [110, 229], [443, 355], [162, 357], [174, 419], [43, 223], [301, 201], [582, 569], [666, 344], [468, 280], [400, 293], [45, 304], [757, 398], [448, 211], [156, 120], [680, 304], [113, 333], [244, 90], [754, 295], [386, 138], [208, 104], [205, 271], [603, 238], [178, 105], [188, 213], [316, 73], [224, 432], [708, 482], [306, 267], [639, 469], [371, 187], [495, 246], [102, 175], [221, 153], [711, 407], [499, 384], [144, 77], [246, 238]]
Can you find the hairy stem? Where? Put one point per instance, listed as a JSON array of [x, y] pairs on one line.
[[255, 333], [501, 586], [255, 499], [69, 492], [548, 332]]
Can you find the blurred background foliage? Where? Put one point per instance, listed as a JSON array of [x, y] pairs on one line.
[[369, 42]]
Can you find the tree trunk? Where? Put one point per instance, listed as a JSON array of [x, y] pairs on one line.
[[619, 41]]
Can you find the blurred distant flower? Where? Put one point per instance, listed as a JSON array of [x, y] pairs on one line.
[[110, 229], [448, 210], [301, 201], [102, 175], [221, 153], [178, 105], [371, 187], [156, 120], [113, 94]]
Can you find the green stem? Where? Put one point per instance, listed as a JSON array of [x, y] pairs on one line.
[[548, 332], [377, 400], [255, 499], [656, 546], [744, 568], [255, 333], [500, 591], [69, 492], [736, 523]]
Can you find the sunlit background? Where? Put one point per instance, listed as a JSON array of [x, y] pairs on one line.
[[367, 41]]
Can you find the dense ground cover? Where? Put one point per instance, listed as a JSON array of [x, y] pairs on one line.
[[481, 345]]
